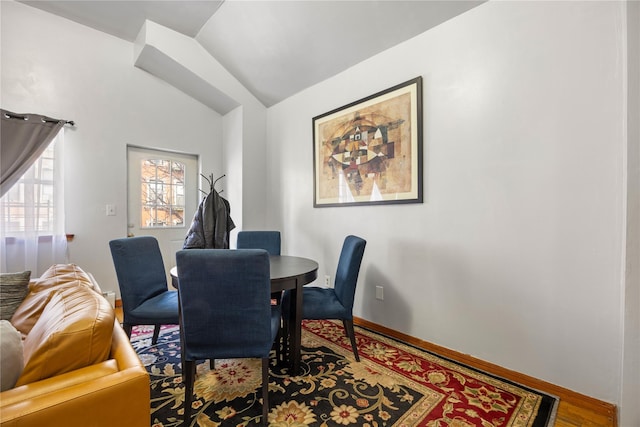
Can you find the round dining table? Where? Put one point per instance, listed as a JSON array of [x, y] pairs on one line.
[[287, 273]]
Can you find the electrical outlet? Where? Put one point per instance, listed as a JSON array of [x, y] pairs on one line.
[[379, 293], [327, 281]]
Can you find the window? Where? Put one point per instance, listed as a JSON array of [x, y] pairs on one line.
[[30, 204], [162, 193], [32, 235]]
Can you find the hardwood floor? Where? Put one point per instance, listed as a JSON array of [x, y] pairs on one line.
[[574, 409], [571, 415]]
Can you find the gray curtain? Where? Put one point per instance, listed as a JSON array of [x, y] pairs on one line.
[[23, 138]]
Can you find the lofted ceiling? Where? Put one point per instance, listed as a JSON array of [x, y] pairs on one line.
[[274, 48]]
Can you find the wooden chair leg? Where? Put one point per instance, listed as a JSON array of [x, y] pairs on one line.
[[189, 373], [156, 334], [348, 327], [265, 391]]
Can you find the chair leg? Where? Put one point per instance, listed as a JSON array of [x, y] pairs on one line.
[[127, 329], [276, 343], [265, 391], [276, 298], [184, 373], [285, 344], [212, 364], [189, 373], [156, 334], [284, 332], [348, 327]]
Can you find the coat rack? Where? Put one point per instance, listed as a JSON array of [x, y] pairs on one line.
[[212, 183]]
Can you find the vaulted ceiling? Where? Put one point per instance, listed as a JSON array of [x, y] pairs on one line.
[[274, 48]]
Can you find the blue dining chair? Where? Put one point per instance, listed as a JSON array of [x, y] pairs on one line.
[[336, 302], [226, 312], [146, 298], [268, 240]]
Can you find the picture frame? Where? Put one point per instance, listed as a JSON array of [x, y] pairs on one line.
[[369, 152]]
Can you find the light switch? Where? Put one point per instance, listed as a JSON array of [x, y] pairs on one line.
[[111, 210]]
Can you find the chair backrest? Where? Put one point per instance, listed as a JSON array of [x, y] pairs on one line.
[[139, 268], [225, 303], [267, 240], [348, 269]]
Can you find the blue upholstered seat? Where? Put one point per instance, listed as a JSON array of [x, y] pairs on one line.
[[146, 298], [225, 311], [336, 302], [267, 240]]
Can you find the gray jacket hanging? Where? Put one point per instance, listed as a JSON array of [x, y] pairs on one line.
[[211, 224]]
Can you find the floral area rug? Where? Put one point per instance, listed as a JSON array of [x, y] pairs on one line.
[[394, 384]]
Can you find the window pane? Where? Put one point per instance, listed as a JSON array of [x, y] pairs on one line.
[[162, 193], [29, 205]]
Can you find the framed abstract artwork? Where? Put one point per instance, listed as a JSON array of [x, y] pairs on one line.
[[369, 152]]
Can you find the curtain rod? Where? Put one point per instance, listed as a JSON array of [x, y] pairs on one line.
[[44, 119]]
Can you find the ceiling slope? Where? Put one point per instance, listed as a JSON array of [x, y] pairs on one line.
[[274, 48], [278, 48]]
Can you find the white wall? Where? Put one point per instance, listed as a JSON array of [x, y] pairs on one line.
[[244, 126], [630, 413], [516, 255], [56, 67]]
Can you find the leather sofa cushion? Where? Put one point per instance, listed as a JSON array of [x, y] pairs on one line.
[[59, 274], [74, 331], [41, 291]]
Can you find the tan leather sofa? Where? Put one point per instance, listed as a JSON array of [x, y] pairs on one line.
[[79, 366]]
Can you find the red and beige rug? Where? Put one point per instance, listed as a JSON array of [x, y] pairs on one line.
[[394, 384]]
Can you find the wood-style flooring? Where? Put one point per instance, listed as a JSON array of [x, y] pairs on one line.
[[574, 409]]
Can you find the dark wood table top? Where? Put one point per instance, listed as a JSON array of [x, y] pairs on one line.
[[284, 268]]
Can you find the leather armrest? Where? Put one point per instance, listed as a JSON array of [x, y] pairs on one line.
[[114, 392], [54, 384]]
